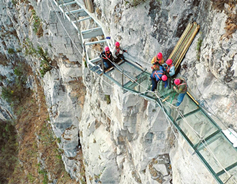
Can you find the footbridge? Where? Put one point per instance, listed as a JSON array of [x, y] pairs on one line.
[[202, 132]]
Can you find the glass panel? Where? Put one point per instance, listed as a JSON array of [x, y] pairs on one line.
[[130, 69], [117, 76], [231, 177], [197, 125], [188, 105], [216, 119], [219, 153], [126, 74], [142, 83]]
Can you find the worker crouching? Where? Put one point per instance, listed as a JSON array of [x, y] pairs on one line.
[[156, 76], [181, 88], [118, 52], [107, 58], [157, 61]]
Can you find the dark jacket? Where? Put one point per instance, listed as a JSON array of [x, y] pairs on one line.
[[106, 56]]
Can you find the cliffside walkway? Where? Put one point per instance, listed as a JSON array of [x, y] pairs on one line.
[[203, 132]]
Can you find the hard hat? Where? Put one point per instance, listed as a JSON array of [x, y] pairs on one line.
[[106, 48], [164, 78], [159, 55], [169, 61], [177, 81], [117, 44]]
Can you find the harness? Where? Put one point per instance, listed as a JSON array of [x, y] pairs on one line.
[[106, 56], [156, 72], [117, 51], [158, 62], [169, 67], [185, 86]]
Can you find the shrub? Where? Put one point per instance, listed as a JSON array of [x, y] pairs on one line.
[[17, 90], [11, 51], [9, 150], [107, 98], [37, 22], [135, 2], [199, 44]]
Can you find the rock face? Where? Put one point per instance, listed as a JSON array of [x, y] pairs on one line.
[[130, 139]]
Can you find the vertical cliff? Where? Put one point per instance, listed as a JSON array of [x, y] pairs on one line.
[[124, 139]]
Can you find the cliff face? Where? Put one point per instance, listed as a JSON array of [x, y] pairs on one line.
[[130, 139]]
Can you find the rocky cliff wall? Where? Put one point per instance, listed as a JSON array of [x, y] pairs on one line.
[[130, 139]]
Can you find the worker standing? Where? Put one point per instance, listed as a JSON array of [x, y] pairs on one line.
[[169, 70], [181, 88], [118, 52], [107, 58]]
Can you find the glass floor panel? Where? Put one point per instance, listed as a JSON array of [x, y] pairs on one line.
[[142, 83], [196, 126], [130, 69], [220, 150], [117, 76], [125, 75], [229, 178]]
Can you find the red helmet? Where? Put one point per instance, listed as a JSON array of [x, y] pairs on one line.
[[159, 55], [164, 77], [169, 62], [106, 48], [117, 44], [177, 81]]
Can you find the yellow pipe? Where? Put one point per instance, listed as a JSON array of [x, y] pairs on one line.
[[182, 46], [180, 39], [192, 98], [174, 52], [188, 44]]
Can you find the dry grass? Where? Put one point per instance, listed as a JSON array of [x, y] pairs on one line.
[[3, 60], [231, 22], [38, 151]]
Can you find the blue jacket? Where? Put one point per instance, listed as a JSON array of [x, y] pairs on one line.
[[157, 74], [170, 69]]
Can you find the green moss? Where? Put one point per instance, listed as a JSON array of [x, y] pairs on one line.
[[37, 21], [107, 98], [11, 51], [199, 44]]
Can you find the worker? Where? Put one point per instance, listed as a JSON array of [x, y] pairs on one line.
[[118, 52], [157, 60], [169, 70], [156, 76], [107, 58], [181, 88]]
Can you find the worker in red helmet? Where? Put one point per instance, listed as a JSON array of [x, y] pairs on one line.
[[169, 70], [118, 52], [156, 76], [107, 58], [181, 88], [157, 61]]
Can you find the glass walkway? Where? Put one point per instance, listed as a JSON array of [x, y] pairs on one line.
[[203, 133]]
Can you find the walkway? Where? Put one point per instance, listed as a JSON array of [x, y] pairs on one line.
[[201, 132]]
